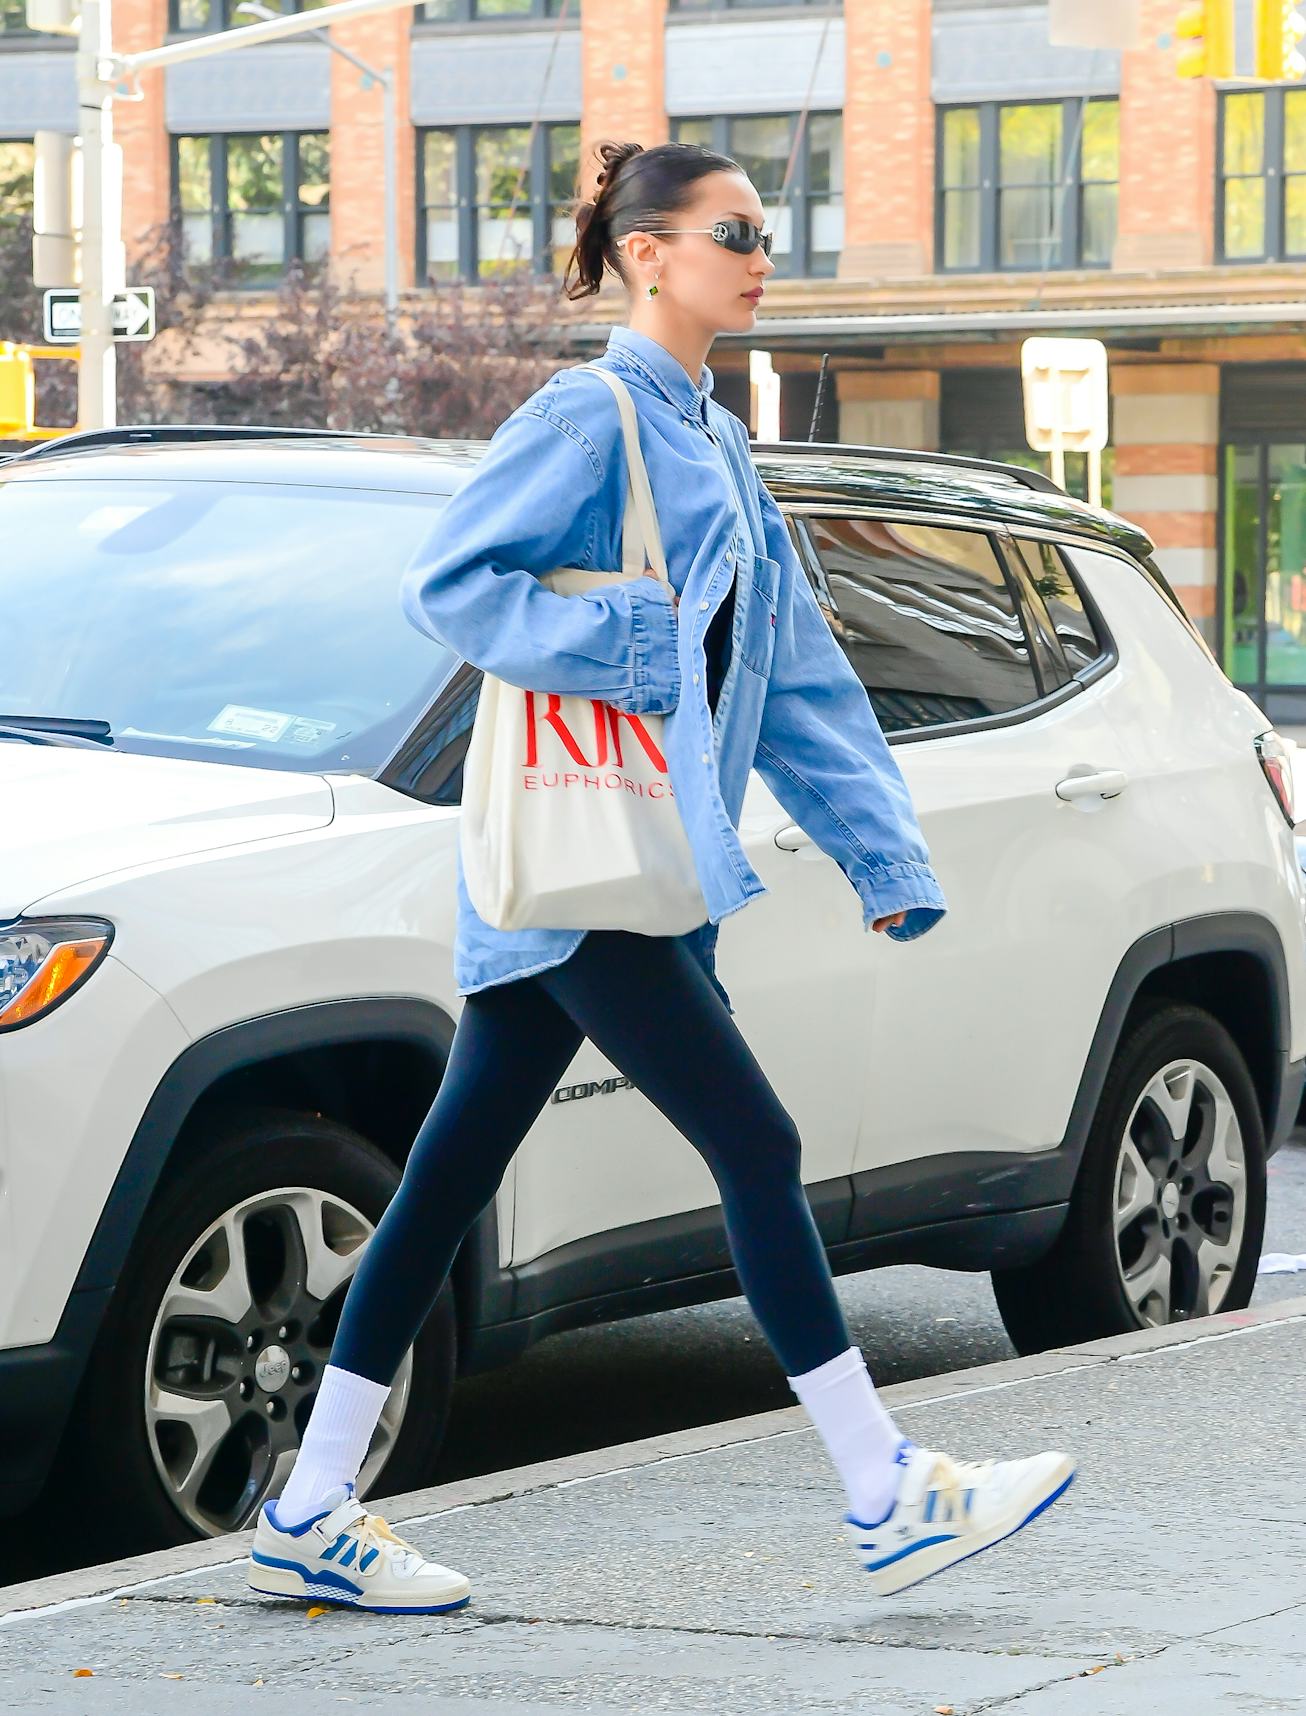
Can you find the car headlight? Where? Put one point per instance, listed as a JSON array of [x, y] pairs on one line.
[[43, 960]]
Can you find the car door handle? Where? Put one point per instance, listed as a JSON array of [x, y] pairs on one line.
[[791, 838], [1105, 783]]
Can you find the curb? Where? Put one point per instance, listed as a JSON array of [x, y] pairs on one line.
[[110, 1578]]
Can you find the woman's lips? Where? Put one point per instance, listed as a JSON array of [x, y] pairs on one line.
[[756, 296]]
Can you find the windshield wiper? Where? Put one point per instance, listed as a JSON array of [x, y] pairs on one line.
[[56, 730]]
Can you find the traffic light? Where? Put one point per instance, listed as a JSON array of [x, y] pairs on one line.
[[17, 392], [55, 17], [1279, 30], [1206, 39]]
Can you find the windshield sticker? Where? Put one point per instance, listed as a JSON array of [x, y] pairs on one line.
[[304, 731], [270, 725], [254, 723]]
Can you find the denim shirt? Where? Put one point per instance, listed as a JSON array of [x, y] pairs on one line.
[[550, 491]]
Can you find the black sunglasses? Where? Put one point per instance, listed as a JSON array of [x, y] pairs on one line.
[[741, 236]]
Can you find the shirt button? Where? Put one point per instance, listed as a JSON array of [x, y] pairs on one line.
[[703, 606], [695, 679], [705, 757]]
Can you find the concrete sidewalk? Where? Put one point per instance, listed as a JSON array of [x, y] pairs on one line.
[[705, 1571]]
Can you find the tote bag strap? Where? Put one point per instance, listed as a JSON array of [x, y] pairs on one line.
[[640, 535]]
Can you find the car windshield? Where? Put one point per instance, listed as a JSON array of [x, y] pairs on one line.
[[240, 622]]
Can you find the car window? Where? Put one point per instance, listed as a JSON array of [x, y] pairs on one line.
[[927, 618], [1058, 605], [236, 622]]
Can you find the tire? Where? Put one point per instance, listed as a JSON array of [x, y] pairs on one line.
[[1142, 1195], [147, 1454]]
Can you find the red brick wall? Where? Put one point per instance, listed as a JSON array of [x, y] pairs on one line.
[[358, 153], [139, 126], [1167, 155], [623, 74], [888, 140]]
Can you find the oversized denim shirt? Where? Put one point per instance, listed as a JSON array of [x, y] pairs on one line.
[[550, 491]]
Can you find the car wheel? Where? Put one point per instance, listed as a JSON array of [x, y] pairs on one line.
[[205, 1372], [1168, 1212]]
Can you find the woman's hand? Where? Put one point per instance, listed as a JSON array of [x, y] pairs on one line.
[[650, 573], [886, 923]]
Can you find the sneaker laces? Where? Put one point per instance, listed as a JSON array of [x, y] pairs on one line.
[[373, 1532]]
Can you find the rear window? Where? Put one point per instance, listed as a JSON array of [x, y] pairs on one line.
[[243, 622], [927, 618]]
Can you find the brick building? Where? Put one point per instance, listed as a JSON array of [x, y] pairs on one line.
[[945, 182]]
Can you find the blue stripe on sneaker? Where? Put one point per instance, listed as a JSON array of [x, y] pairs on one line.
[[316, 1576], [347, 1559], [333, 1548], [902, 1554], [366, 1559]]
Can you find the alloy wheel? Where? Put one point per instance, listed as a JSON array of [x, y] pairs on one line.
[[236, 1354], [1180, 1202]]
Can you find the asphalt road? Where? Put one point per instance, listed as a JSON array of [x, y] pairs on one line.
[[594, 1387]]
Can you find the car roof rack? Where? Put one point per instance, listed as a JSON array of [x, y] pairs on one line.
[[912, 455], [161, 434]]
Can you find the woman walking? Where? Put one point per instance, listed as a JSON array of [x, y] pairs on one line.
[[735, 653]]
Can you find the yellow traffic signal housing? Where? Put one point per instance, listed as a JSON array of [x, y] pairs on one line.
[[1280, 27], [17, 392], [1206, 39]]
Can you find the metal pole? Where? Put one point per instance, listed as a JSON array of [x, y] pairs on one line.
[[97, 400], [391, 200]]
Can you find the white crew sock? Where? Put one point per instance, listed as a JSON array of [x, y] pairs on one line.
[[335, 1443], [860, 1437]]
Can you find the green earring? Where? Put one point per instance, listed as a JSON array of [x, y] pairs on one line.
[[653, 289]]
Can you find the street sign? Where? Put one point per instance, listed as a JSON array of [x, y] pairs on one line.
[[133, 315], [1064, 382]]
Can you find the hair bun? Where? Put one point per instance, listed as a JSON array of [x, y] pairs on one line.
[[614, 157]]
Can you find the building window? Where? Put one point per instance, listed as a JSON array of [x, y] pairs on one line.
[[807, 214], [480, 11], [495, 198], [1261, 215], [742, 5], [1028, 185], [252, 203], [16, 160], [13, 20], [187, 16]]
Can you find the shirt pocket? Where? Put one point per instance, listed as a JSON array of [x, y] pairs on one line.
[[758, 644]]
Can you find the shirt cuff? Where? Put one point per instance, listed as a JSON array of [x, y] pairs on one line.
[[907, 887], [655, 639]]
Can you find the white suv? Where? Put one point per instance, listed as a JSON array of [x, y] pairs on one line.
[[230, 774]]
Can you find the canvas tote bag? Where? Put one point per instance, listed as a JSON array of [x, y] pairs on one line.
[[569, 820]]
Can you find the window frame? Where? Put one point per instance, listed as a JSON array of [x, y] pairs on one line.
[[1050, 698], [800, 192], [465, 14], [466, 205], [223, 17], [1273, 176], [707, 8], [1068, 187], [293, 208]]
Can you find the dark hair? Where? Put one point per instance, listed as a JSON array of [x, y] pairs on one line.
[[637, 189]]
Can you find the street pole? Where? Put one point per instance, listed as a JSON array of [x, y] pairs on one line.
[[97, 394], [391, 143]]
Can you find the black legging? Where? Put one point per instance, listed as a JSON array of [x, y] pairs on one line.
[[647, 1004]]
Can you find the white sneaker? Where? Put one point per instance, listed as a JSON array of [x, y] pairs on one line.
[[346, 1555], [948, 1510]]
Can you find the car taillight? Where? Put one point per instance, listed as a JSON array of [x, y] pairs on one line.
[[1276, 764]]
